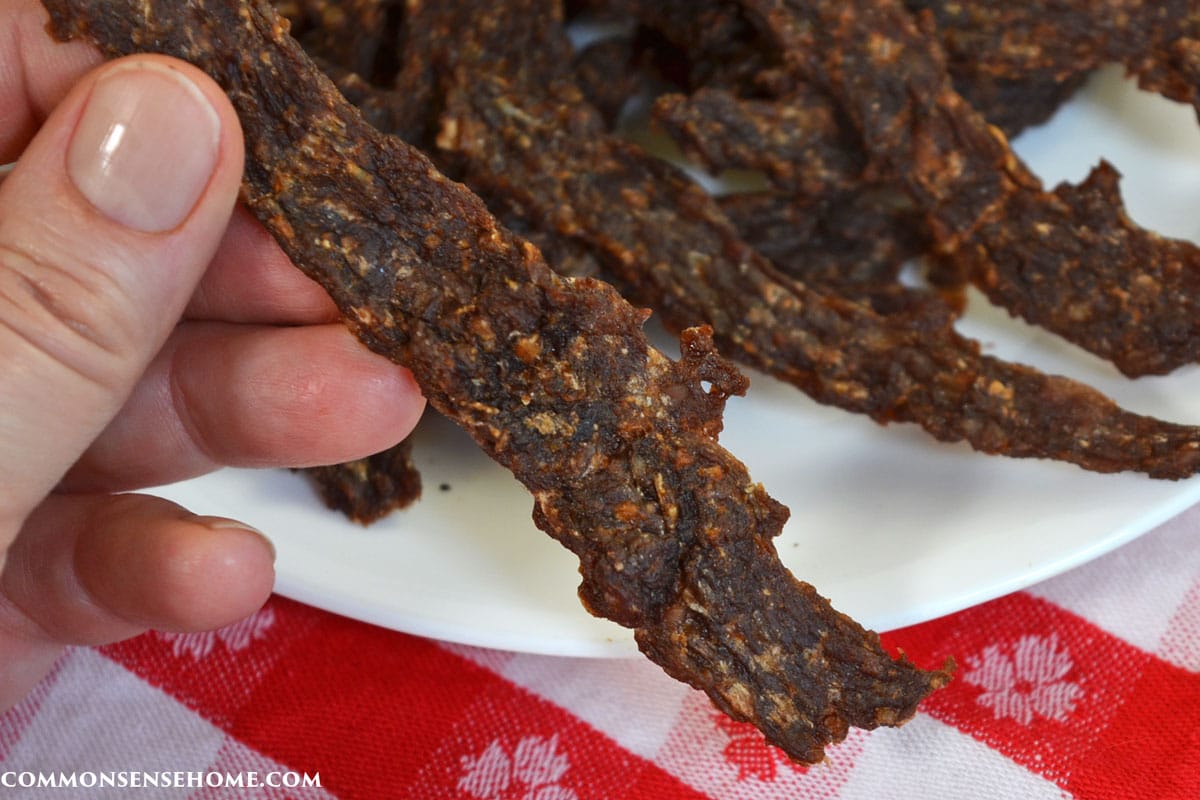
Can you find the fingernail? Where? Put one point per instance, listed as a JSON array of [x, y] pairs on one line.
[[226, 524], [145, 147]]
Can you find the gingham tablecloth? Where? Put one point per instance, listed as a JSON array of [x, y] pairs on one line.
[[1086, 686]]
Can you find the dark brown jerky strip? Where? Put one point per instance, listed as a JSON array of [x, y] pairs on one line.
[[368, 489], [853, 245], [530, 138], [1172, 67], [354, 41], [397, 112], [1127, 295], [1055, 38], [1016, 62], [826, 224], [354, 35], [388, 78], [553, 378], [797, 141], [701, 42], [609, 72]]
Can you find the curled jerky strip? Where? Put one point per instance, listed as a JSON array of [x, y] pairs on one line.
[[1120, 291], [528, 137], [553, 378]]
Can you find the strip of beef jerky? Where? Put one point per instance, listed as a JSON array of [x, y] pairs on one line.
[[568, 257], [354, 35], [528, 136], [388, 78], [367, 489], [797, 141], [704, 42], [397, 112], [355, 42], [554, 378], [853, 245], [1015, 62], [609, 72], [1172, 66], [1128, 295]]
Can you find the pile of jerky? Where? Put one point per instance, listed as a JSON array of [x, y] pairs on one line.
[[856, 114], [879, 130]]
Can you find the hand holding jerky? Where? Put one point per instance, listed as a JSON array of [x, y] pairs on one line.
[[552, 377]]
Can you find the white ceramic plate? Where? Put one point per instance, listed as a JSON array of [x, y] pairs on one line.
[[893, 527]]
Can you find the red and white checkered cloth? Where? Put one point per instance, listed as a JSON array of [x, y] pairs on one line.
[[1086, 686]]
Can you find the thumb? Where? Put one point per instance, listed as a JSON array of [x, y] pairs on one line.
[[107, 223]]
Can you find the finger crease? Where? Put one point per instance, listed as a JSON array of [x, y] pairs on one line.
[[183, 412], [22, 293]]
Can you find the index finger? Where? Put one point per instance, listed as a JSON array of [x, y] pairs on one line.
[[35, 72]]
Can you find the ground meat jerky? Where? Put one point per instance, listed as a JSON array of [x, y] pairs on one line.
[[356, 43], [1126, 294], [528, 136], [553, 378], [395, 94], [369, 488], [826, 222]]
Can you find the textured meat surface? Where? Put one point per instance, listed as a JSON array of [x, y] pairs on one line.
[[370, 488], [1015, 62], [522, 133], [552, 377], [1125, 294]]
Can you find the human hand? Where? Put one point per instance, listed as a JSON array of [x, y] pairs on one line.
[[146, 336]]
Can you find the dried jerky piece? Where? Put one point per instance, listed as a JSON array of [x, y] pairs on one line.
[[702, 42], [1016, 62], [1136, 304], [529, 137], [797, 141], [609, 72], [553, 378], [1013, 105], [399, 112], [367, 489], [852, 245], [1171, 66], [354, 35]]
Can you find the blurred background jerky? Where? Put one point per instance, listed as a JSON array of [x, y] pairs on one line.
[[1145, 323], [359, 36], [1132, 300], [830, 222], [553, 378], [1015, 62], [518, 129]]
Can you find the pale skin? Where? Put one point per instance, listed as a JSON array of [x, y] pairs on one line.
[[146, 335]]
